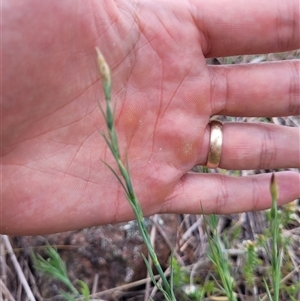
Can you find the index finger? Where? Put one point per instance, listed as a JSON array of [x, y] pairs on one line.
[[247, 27]]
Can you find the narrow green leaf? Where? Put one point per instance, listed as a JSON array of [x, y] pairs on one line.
[[118, 178], [268, 291], [149, 268], [84, 290]]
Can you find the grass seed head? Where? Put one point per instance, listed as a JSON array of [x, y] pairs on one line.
[[274, 187], [103, 68]]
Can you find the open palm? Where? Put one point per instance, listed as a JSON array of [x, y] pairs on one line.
[[53, 175]]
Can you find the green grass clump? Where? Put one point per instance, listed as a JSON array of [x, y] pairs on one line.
[[56, 268], [219, 258]]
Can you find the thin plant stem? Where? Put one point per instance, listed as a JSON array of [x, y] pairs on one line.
[[276, 259], [125, 179]]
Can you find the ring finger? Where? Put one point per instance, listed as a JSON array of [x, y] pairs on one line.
[[259, 146]]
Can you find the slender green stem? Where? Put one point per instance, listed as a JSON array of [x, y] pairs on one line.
[[125, 180], [275, 233]]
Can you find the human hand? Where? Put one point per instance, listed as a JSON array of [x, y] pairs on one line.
[[53, 177]]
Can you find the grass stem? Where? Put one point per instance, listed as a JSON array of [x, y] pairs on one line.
[[125, 179]]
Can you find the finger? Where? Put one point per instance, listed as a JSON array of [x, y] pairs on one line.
[[243, 27], [259, 146], [270, 89], [222, 194]]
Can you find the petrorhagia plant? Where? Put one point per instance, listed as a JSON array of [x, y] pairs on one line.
[[125, 179]]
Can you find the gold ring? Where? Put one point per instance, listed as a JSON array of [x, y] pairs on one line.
[[215, 144]]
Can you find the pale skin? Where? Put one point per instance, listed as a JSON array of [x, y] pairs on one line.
[[53, 178]]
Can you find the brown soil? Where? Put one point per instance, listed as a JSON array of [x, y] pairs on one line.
[[105, 257]]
